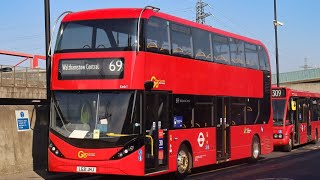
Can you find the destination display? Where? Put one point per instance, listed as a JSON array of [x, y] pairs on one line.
[[276, 93], [77, 69]]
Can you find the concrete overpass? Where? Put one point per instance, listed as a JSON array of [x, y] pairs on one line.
[[307, 80]]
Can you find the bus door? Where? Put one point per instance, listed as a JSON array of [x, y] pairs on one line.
[[297, 121], [308, 118], [223, 129], [156, 117]]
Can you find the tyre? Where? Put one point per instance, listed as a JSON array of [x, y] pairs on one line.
[[184, 159], [315, 141], [255, 149], [288, 147]]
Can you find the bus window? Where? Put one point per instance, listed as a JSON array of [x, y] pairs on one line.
[[157, 39], [181, 41], [182, 112], [314, 110], [201, 44], [263, 59], [252, 59], [252, 111], [237, 52], [102, 40], [221, 49], [238, 110]]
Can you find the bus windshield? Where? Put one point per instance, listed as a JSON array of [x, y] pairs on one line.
[[97, 35], [278, 107], [105, 116]]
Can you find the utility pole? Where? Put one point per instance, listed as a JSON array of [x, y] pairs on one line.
[[276, 23], [48, 58], [201, 15]]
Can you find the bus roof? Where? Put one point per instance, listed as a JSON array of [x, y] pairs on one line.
[[114, 13]]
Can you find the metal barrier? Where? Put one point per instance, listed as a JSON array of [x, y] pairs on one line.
[[23, 77]]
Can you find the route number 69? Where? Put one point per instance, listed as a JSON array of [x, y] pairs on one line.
[[115, 65]]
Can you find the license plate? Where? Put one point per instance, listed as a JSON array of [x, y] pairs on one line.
[[86, 169]]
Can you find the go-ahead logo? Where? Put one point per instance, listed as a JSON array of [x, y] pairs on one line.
[[157, 82], [83, 155]]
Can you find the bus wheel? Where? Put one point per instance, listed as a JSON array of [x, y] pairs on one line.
[[289, 146], [255, 149], [315, 141], [183, 161]]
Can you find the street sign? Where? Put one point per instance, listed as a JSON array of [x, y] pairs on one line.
[[23, 121]]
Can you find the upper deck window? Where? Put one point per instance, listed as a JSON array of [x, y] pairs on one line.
[[201, 43], [221, 50], [97, 35], [252, 60], [157, 36], [237, 52], [181, 41], [263, 58]]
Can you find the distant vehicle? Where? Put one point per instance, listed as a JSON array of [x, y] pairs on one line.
[[139, 92], [296, 116]]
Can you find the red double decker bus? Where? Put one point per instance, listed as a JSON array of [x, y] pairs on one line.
[[139, 92], [296, 116]]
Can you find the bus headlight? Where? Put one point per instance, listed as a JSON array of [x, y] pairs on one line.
[[129, 148], [55, 150], [280, 136], [277, 136]]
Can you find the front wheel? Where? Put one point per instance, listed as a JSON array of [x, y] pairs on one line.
[[183, 162], [289, 146], [255, 149], [315, 141]]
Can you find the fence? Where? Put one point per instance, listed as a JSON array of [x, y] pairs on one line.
[[23, 77]]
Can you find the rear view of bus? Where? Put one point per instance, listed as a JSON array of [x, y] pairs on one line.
[[296, 116]]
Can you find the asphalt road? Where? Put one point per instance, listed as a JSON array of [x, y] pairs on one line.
[[303, 163]]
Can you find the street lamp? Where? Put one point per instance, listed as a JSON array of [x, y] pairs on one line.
[[276, 23]]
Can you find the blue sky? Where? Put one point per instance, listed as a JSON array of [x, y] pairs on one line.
[[22, 24]]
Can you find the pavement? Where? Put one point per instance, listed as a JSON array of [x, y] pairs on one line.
[[37, 174]]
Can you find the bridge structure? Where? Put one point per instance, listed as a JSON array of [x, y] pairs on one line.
[[23, 85]]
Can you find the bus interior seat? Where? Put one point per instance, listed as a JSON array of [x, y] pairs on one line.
[[152, 47], [201, 55], [209, 56], [178, 51], [164, 49]]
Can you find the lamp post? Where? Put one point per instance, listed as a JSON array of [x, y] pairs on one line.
[[47, 35], [276, 23]]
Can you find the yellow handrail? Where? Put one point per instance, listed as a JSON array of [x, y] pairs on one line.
[[151, 139]]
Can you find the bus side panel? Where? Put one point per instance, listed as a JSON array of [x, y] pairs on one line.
[[241, 137], [203, 145], [303, 133], [187, 76], [266, 137], [314, 128]]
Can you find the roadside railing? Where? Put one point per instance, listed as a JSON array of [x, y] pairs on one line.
[[23, 77]]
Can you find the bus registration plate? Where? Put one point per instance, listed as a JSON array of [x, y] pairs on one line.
[[86, 169]]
